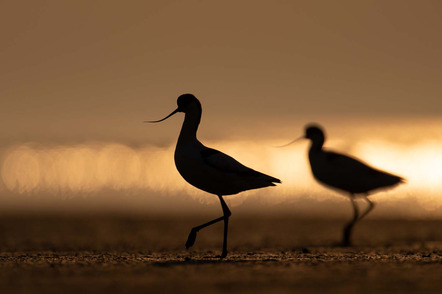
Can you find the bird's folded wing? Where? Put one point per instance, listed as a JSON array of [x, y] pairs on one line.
[[345, 163], [225, 163]]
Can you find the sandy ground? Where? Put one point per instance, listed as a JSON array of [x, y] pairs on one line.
[[53, 254]]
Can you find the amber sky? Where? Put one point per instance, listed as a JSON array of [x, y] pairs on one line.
[[83, 75], [76, 70]]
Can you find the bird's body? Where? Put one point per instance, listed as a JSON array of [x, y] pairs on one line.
[[208, 169], [346, 174], [215, 172]]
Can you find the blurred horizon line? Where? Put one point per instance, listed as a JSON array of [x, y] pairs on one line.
[[47, 175]]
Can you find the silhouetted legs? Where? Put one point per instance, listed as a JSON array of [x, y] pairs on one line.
[[356, 217], [226, 214], [348, 228], [369, 208]]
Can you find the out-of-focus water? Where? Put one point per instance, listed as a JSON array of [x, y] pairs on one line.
[[90, 168]]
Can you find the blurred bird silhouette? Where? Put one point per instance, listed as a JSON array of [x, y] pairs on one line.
[[208, 169], [346, 174]]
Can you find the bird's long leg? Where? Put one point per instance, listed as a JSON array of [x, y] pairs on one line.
[[348, 228], [370, 207], [227, 214], [192, 235]]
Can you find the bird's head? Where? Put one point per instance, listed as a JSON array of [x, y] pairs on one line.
[[186, 103], [314, 132]]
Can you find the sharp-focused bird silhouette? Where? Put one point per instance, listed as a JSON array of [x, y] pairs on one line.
[[346, 174], [208, 169]]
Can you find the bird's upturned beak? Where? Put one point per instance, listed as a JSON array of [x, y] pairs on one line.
[[156, 121], [296, 140]]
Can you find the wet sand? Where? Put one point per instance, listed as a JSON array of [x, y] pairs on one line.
[[96, 254]]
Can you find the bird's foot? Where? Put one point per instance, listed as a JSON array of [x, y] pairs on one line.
[[346, 238], [345, 243], [223, 254], [191, 239]]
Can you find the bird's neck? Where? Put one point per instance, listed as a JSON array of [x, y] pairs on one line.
[[316, 146], [190, 125]]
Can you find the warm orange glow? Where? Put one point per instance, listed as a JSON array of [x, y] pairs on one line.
[[420, 164], [94, 167]]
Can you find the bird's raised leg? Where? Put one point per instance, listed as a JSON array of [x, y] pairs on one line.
[[192, 235], [370, 207], [348, 228]]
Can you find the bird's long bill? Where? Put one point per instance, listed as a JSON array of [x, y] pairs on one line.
[[156, 121], [290, 143]]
